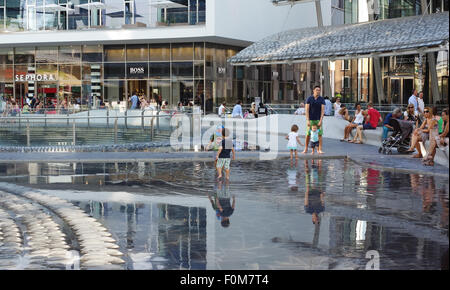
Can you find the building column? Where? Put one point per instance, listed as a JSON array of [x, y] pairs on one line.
[[432, 63], [378, 79], [325, 68]]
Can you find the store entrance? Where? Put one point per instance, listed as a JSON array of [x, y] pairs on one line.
[[400, 89], [48, 94], [138, 87]]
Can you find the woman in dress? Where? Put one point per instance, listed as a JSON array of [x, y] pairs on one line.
[[358, 119]]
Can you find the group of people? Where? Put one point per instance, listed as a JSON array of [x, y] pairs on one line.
[[237, 112], [33, 105]]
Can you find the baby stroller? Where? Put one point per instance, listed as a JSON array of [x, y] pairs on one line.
[[400, 138]]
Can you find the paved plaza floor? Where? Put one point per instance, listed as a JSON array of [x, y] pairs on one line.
[[365, 155]]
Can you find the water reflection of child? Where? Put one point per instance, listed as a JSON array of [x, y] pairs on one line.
[[314, 195], [292, 176], [223, 203]]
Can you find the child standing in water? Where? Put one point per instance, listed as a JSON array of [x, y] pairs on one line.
[[224, 154], [293, 140], [314, 138]]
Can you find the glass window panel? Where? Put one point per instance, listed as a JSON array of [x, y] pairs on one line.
[[20, 70], [137, 52], [92, 71], [199, 70], [137, 70], [114, 53], [201, 11], [159, 70], [6, 91], [182, 91], [69, 54], [24, 55], [114, 70], [47, 54], [2, 16], [14, 15], [6, 72], [49, 70], [159, 91], [182, 52], [114, 91], [199, 53], [92, 53], [182, 69], [159, 53], [6, 55], [70, 72]]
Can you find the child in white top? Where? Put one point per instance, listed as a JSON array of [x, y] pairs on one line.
[[293, 140]]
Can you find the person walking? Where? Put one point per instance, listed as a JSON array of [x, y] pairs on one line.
[[222, 110], [314, 110], [413, 100], [134, 101], [420, 103], [294, 139], [328, 107], [262, 109], [224, 155], [237, 110]]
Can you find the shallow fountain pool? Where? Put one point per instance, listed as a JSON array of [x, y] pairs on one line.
[[316, 214]]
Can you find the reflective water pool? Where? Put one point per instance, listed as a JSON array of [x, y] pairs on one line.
[[316, 214]]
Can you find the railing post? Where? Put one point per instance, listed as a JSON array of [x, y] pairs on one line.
[[28, 133], [88, 113], [107, 118], [152, 128], [115, 131], [157, 120], [45, 117], [142, 120], [74, 133], [126, 119]]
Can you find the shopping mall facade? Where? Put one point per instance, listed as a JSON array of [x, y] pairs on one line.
[[178, 50]]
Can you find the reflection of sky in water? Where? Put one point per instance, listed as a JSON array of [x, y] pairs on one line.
[[166, 215]]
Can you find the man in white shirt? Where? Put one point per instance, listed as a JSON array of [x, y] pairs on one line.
[[222, 110], [413, 100], [300, 110], [421, 103]]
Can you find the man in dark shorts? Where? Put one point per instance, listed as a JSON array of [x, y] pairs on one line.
[[314, 111]]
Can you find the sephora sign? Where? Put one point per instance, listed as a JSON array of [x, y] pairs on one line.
[[35, 77]]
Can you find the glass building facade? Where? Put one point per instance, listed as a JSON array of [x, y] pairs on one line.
[[178, 72], [34, 15], [354, 80]]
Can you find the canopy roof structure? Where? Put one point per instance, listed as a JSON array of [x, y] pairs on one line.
[[167, 4], [407, 35]]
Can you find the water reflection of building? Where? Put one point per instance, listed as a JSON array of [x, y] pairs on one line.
[[173, 236]]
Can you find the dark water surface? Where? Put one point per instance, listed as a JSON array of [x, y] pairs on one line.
[[317, 214]]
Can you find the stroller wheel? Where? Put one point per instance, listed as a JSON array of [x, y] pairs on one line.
[[389, 152], [384, 150], [380, 149]]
